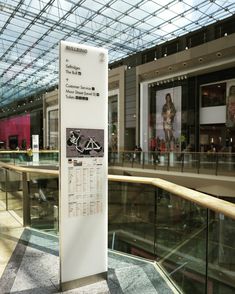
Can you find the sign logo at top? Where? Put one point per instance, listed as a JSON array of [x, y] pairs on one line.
[[76, 49]]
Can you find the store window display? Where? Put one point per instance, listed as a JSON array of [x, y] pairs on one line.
[[113, 123], [231, 107], [168, 115]]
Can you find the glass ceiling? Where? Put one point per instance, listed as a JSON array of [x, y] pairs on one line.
[[30, 31]]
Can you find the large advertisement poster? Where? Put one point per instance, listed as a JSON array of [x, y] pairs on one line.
[[230, 110], [168, 117]]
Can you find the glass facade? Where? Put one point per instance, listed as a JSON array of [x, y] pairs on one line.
[[213, 95], [172, 116], [197, 116]]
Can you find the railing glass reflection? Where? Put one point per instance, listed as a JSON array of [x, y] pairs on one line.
[[193, 162], [29, 157], [193, 244], [43, 191]]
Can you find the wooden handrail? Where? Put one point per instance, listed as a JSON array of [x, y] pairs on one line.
[[204, 200], [25, 151], [125, 151], [29, 170]]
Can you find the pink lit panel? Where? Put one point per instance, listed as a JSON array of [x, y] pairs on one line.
[[16, 126]]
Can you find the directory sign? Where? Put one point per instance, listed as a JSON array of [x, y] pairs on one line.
[[83, 95], [35, 148]]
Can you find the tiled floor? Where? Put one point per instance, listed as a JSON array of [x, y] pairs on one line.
[[33, 266], [10, 232]]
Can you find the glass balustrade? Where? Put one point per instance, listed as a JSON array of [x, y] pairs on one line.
[[3, 191], [30, 158], [14, 193], [211, 163], [221, 254], [43, 193], [194, 245]]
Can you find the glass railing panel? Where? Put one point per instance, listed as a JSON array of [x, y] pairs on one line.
[[48, 157], [140, 159], [193, 162], [127, 158], [175, 161], [148, 160], [208, 163], [113, 158], [44, 202], [118, 158], [226, 164], [131, 218], [30, 158], [163, 161], [190, 162], [221, 257], [14, 157], [181, 241], [14, 188], [3, 177], [154, 160]]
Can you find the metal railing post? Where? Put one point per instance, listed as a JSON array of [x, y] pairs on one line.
[[26, 201], [168, 161], [6, 187], [143, 162], [217, 164], [198, 162], [207, 248], [182, 161]]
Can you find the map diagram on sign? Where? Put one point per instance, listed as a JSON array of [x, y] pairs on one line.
[[84, 142]]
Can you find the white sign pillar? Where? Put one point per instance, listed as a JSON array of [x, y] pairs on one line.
[[35, 149], [83, 164]]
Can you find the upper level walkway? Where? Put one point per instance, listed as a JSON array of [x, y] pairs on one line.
[[205, 172]]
